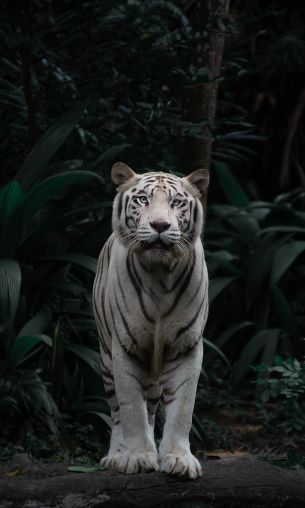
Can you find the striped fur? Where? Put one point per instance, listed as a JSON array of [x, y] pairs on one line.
[[150, 301]]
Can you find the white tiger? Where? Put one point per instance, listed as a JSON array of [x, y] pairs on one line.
[[150, 302]]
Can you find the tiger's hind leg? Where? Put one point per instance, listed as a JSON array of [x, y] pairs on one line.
[[116, 440]]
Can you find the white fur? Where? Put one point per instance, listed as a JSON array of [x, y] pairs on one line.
[[160, 352]]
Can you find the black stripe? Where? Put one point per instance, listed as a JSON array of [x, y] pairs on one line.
[[148, 290], [198, 288], [184, 352], [182, 288], [98, 278], [171, 270], [153, 401], [168, 371], [183, 329], [129, 353], [133, 339], [145, 268], [121, 289], [104, 312], [126, 204], [101, 329], [138, 290], [170, 393], [178, 279], [195, 212], [104, 345], [120, 206], [143, 386], [191, 209], [107, 376], [110, 393], [169, 401]]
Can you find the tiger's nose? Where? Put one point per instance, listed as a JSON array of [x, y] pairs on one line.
[[159, 226]]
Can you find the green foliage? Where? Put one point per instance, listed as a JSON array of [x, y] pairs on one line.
[[45, 298], [255, 258], [285, 384], [286, 379], [25, 397], [74, 102]]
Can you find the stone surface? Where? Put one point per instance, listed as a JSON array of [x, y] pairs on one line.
[[230, 482]]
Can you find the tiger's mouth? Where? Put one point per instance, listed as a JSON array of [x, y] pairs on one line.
[[156, 245]]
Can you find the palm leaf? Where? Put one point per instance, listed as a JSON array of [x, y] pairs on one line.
[[53, 186], [47, 146], [23, 346], [230, 185], [10, 281], [11, 219], [284, 258]]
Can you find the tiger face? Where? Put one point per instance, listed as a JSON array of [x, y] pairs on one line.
[[158, 214]]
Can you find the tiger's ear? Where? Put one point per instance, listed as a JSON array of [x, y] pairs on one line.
[[120, 173], [199, 179]]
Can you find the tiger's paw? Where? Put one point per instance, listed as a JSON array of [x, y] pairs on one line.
[[181, 465], [129, 462], [108, 461]]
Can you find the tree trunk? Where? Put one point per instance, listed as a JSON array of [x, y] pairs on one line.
[[208, 22], [230, 482]]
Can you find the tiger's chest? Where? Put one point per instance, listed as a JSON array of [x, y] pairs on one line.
[[152, 310]]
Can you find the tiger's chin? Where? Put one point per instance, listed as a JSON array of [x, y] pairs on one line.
[[158, 256], [158, 252]]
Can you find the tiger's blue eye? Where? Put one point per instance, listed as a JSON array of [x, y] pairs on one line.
[[143, 199], [176, 202]]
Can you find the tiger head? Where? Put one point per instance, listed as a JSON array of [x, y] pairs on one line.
[[158, 214]]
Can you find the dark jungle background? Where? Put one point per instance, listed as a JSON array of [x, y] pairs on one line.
[[85, 84]]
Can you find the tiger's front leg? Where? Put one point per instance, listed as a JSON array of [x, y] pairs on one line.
[[179, 380], [139, 453]]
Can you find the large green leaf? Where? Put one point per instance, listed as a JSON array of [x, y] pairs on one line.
[[47, 146], [246, 225], [229, 332], [222, 259], [23, 346], [230, 185], [260, 265], [41, 227], [264, 341], [43, 191], [10, 281], [217, 285], [105, 418], [87, 355], [284, 258], [284, 311], [216, 350], [270, 347], [36, 324], [11, 219], [283, 229]]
